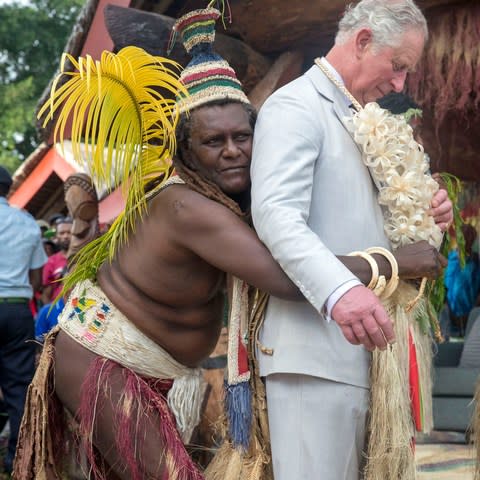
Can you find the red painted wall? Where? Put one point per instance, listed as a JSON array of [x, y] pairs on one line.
[[51, 162], [98, 38]]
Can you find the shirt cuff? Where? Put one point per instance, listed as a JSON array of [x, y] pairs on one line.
[[339, 292]]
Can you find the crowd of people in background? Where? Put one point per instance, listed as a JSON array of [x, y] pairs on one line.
[[31, 285], [55, 234], [47, 310]]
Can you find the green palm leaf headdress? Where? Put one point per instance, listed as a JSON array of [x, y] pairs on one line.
[[123, 111]]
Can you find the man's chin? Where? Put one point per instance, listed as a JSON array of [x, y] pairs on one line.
[[377, 96], [370, 99]]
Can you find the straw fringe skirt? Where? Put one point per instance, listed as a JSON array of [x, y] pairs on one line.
[[391, 427]]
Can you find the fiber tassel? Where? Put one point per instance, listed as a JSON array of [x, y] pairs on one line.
[[390, 455], [233, 462], [415, 387], [185, 399], [424, 348], [238, 402]]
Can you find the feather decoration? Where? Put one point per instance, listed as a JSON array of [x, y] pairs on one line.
[[122, 109]]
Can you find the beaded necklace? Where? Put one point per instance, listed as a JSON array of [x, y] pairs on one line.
[[338, 84]]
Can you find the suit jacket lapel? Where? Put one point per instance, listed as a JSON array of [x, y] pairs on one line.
[[329, 91]]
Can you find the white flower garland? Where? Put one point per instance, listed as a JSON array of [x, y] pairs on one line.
[[400, 170]]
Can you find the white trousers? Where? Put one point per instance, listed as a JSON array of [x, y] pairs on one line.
[[317, 427]]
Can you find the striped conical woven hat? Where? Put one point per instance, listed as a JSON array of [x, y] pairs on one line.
[[208, 76]]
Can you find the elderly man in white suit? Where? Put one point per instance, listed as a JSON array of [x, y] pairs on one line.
[[312, 201]]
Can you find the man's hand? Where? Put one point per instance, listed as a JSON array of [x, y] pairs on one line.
[[363, 320], [441, 208]]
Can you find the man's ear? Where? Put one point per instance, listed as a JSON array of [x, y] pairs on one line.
[[363, 40]]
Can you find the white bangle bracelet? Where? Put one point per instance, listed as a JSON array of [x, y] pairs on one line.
[[373, 266], [394, 279]]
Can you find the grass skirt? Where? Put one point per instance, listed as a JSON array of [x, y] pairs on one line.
[[40, 446]]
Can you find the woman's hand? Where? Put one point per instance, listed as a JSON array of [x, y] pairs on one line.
[[441, 207], [419, 260]]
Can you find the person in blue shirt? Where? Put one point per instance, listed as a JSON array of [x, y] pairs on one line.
[[21, 260], [47, 318], [463, 283]]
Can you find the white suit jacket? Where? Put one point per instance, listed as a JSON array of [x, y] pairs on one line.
[[312, 199]]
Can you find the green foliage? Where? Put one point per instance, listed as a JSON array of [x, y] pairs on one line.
[[412, 113], [32, 39], [17, 132], [436, 289]]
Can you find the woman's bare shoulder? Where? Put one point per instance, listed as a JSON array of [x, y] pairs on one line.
[[183, 206]]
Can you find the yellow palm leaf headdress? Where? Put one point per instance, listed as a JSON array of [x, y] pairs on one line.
[[123, 111]]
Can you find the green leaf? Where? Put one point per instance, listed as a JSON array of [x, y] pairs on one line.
[[436, 288]]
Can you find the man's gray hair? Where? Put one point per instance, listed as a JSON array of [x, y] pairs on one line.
[[387, 19]]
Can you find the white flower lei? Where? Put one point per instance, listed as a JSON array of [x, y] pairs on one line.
[[400, 170]]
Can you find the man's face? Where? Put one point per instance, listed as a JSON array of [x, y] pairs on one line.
[[221, 146], [384, 70], [63, 235]]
